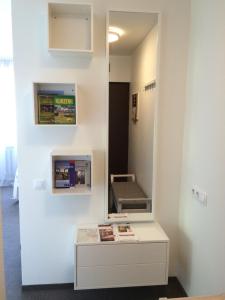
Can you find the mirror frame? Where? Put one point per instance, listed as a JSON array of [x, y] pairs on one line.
[[134, 217]]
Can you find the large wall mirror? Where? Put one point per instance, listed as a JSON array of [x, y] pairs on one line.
[[132, 44]]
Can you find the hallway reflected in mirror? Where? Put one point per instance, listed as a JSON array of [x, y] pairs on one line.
[[132, 102]]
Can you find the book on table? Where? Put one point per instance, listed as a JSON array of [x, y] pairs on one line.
[[88, 235], [124, 232], [106, 233], [124, 229]]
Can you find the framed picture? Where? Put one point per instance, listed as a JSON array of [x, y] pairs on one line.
[[135, 107]]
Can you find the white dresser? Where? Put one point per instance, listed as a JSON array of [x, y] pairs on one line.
[[142, 262]]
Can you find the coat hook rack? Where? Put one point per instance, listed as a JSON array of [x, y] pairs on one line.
[[150, 86]]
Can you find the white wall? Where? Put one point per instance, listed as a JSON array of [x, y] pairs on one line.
[[201, 266], [120, 68], [47, 223], [141, 133]]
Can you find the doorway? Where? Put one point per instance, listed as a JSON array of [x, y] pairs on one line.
[[118, 127]]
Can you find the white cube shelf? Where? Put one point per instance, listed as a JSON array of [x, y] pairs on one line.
[[70, 155], [70, 28], [69, 89]]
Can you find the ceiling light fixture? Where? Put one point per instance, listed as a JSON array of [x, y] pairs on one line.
[[113, 36]]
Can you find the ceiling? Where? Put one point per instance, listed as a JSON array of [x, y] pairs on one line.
[[135, 26]]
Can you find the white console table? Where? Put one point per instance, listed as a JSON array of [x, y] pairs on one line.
[[143, 262]]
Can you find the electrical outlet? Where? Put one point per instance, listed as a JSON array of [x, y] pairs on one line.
[[199, 195]]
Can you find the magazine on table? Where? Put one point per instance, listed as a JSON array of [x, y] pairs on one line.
[[124, 232], [88, 235], [124, 229], [106, 233]]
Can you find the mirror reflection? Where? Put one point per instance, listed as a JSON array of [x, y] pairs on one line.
[[133, 41]]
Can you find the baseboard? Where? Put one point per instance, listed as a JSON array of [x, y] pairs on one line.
[[48, 286], [171, 280]]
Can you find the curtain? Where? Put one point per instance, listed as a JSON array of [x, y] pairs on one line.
[[8, 165], [7, 98]]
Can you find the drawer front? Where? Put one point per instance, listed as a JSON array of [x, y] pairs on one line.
[[121, 275], [121, 254]]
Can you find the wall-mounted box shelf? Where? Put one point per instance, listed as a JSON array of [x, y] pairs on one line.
[[79, 165], [70, 28], [55, 104]]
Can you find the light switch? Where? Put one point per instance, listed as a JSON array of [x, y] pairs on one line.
[[199, 195], [39, 184]]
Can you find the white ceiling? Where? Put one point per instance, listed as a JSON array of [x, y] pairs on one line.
[[135, 26]]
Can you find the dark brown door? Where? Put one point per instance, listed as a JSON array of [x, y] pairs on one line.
[[118, 127]]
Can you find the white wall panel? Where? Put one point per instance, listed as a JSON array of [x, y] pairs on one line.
[[47, 223]]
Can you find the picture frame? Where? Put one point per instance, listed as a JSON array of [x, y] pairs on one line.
[[135, 107]]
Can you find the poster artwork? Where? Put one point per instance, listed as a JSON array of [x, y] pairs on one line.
[[135, 107]]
